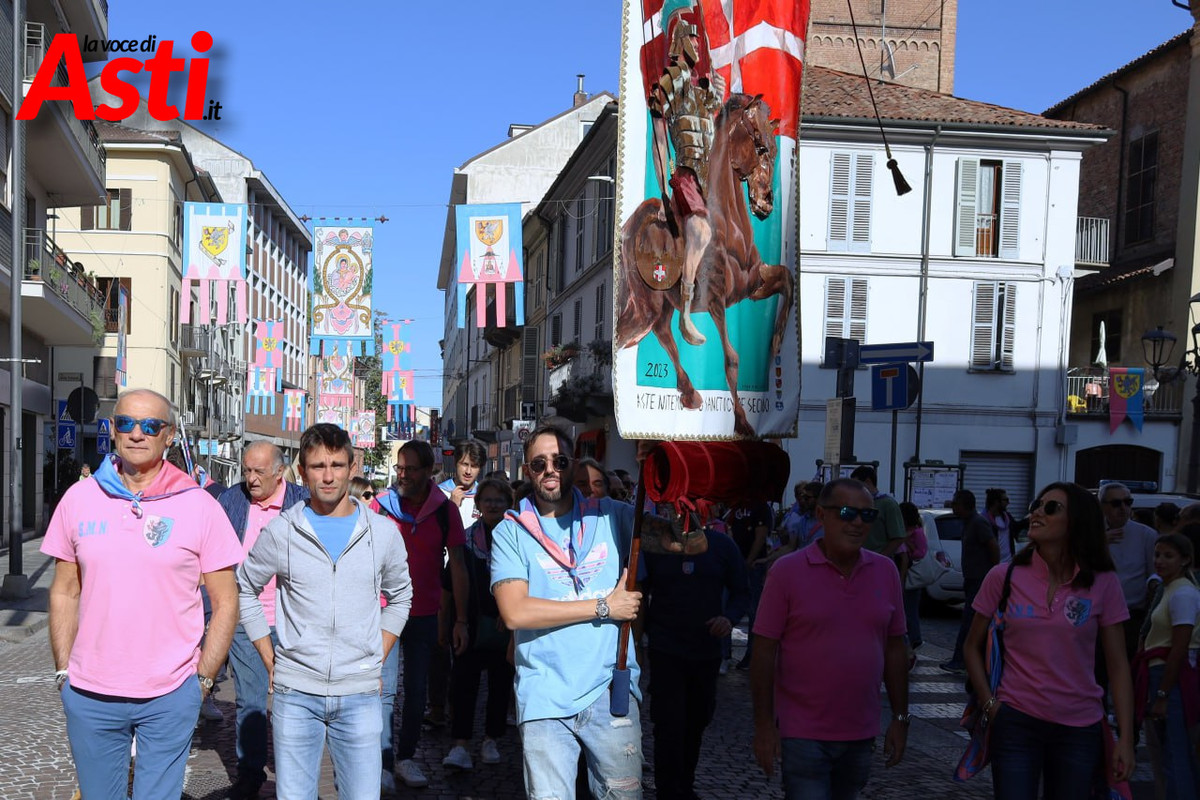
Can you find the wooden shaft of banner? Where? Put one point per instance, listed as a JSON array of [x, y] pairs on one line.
[[635, 548]]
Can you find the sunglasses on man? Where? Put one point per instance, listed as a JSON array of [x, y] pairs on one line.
[[1120, 501], [851, 513], [151, 426], [560, 463]]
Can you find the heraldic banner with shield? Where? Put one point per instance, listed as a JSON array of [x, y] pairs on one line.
[[707, 219], [341, 291], [489, 252], [214, 256]]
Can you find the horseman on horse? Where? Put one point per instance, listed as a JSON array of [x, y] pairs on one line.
[[682, 105]]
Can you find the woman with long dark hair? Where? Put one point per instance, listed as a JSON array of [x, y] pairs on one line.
[[1047, 715]]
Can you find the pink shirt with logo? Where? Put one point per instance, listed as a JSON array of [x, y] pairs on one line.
[[257, 518], [1050, 648], [832, 632], [140, 614]]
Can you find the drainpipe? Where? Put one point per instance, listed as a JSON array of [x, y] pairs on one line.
[[922, 300]]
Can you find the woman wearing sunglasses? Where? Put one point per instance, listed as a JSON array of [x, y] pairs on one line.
[[1047, 714]]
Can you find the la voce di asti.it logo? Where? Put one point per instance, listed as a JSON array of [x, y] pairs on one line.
[[65, 48]]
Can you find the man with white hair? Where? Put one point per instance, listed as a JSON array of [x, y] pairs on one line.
[[1131, 545]]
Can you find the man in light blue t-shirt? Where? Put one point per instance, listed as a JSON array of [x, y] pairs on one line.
[[554, 568]]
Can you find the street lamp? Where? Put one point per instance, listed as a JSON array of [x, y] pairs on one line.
[[1157, 345]]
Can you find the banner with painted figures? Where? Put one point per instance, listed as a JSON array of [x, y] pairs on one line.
[[1126, 397], [340, 286], [122, 374], [214, 256], [706, 344], [362, 431], [294, 403], [335, 389], [398, 375], [489, 254]]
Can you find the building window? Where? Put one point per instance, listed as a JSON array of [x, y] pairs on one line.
[[104, 377], [579, 235], [1111, 322], [177, 225], [173, 316], [605, 201], [600, 311], [850, 186], [993, 326], [114, 214], [577, 330], [110, 288], [556, 330], [1139, 196], [846, 309], [987, 215]]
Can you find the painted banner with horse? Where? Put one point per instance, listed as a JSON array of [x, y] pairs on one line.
[[706, 342]]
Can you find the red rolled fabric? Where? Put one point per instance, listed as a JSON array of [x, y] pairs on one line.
[[716, 471]]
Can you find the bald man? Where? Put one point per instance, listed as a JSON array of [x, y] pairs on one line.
[[250, 505], [131, 546]]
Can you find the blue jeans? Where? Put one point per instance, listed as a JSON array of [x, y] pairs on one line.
[[1178, 758], [389, 678], [101, 730], [304, 723], [612, 747], [819, 770], [1027, 751], [250, 684], [417, 641]]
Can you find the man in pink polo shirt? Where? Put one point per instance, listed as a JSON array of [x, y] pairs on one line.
[[250, 505], [131, 546], [830, 625]]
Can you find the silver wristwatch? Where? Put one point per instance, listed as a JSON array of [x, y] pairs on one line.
[[205, 681], [602, 608]]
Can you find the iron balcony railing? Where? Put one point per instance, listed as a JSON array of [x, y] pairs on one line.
[[1089, 394], [46, 262], [1091, 241], [84, 131]]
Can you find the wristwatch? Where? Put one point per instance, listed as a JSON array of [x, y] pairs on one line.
[[904, 718], [1160, 694], [602, 608], [205, 681]]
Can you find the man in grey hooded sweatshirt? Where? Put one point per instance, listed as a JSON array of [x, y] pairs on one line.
[[332, 558]]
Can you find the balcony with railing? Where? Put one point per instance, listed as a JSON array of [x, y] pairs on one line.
[[1091, 242], [482, 417], [1088, 396], [194, 340], [64, 152], [581, 385], [65, 306]]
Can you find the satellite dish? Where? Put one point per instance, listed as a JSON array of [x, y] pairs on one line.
[[83, 404]]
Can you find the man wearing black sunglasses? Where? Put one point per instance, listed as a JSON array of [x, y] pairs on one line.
[[830, 626], [1131, 545]]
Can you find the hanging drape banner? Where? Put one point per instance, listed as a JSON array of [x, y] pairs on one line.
[[122, 375], [260, 391], [489, 253], [1125, 396], [340, 286], [268, 349], [294, 401], [363, 431], [214, 255], [707, 219], [396, 364]]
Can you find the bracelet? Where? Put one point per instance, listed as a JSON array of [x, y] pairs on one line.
[[988, 705], [60, 677]]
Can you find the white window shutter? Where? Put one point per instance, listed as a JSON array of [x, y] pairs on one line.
[[964, 212], [1008, 330], [983, 326], [1010, 210], [860, 218], [839, 202], [857, 316], [835, 307]]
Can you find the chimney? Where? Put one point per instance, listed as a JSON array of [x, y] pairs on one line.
[[580, 96]]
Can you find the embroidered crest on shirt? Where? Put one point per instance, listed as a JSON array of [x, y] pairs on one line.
[[156, 530], [588, 569], [1077, 610]]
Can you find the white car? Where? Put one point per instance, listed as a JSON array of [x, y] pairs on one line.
[[943, 531]]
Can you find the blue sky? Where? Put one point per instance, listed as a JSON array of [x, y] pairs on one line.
[[365, 108]]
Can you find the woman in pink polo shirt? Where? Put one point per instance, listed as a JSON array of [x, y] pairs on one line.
[[1047, 713]]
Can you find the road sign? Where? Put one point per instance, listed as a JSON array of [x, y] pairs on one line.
[[63, 414], [66, 435], [896, 352], [893, 386], [103, 438]]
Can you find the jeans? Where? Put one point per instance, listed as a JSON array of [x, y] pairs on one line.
[[683, 696], [818, 770], [250, 684], [1026, 751], [304, 723], [416, 642], [464, 690], [912, 616], [1178, 758], [101, 730], [387, 702], [970, 589], [612, 746]]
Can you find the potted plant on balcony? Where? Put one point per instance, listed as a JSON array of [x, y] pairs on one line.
[[601, 350], [576, 399], [560, 354]]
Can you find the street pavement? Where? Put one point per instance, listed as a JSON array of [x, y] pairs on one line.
[[37, 764]]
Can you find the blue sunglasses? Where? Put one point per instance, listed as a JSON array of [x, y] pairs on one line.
[[849, 513], [151, 426]]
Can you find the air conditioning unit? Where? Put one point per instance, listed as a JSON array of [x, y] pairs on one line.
[[187, 418]]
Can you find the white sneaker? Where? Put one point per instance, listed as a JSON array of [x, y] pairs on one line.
[[209, 710], [411, 774], [488, 752], [387, 782], [459, 757]]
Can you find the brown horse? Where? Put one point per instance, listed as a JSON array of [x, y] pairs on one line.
[[731, 269]]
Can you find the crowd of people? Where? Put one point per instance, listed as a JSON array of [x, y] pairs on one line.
[[328, 596]]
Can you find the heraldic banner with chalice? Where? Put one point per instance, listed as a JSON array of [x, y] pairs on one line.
[[489, 252], [706, 340]]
